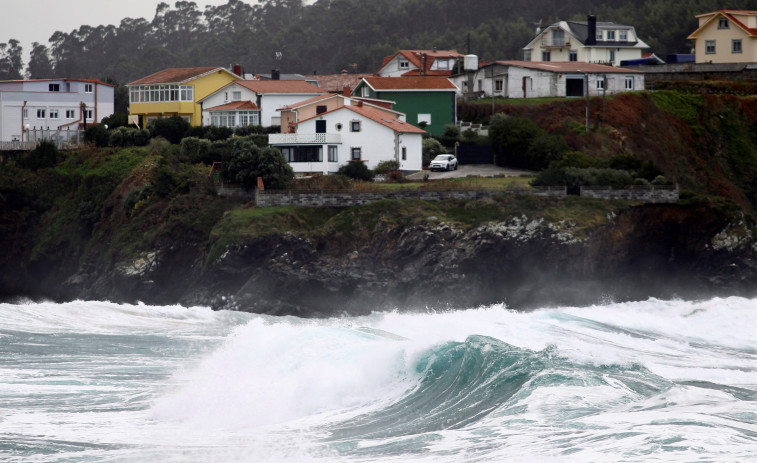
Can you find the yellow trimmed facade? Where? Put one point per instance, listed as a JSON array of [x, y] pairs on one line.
[[175, 92], [726, 36]]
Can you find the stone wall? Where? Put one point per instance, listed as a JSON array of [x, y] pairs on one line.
[[342, 198], [646, 193]]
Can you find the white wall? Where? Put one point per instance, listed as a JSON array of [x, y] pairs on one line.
[[36, 94], [377, 143]]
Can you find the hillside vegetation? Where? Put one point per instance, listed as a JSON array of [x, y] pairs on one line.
[[96, 207]]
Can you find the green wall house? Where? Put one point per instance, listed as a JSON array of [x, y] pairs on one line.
[[429, 99]]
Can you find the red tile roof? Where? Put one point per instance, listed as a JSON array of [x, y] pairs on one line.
[[337, 82], [235, 106], [175, 75], [324, 96], [279, 86], [376, 115], [415, 57], [410, 83], [382, 118], [568, 66]]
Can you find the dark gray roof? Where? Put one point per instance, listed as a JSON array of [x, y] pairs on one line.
[[580, 29]]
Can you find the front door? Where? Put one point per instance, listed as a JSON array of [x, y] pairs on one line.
[[320, 126]]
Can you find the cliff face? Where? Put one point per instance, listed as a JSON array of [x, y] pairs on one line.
[[658, 251]]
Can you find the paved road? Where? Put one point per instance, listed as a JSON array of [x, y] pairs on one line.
[[482, 170]]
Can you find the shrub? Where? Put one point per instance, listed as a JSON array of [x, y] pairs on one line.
[[172, 128], [450, 135], [196, 150], [45, 155], [248, 162], [574, 178], [431, 148], [249, 130], [544, 149], [356, 170], [97, 134], [384, 167], [576, 159], [511, 139]]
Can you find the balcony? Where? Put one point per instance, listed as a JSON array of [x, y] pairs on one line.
[[304, 138], [555, 43]]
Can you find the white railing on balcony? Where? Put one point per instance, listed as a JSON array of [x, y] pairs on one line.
[[550, 42], [303, 138]]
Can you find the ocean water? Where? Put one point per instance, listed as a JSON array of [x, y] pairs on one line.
[[645, 381]]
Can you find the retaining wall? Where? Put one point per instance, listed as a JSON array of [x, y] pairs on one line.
[[646, 193]]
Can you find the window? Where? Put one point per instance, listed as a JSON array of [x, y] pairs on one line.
[[599, 35], [320, 109], [709, 46], [404, 153], [612, 56], [53, 87], [424, 117], [526, 55], [70, 114], [236, 95], [442, 64], [53, 114], [88, 114], [498, 85], [623, 36], [723, 23], [302, 153], [88, 88], [610, 35], [355, 126], [629, 83], [545, 56], [26, 113], [558, 37], [572, 55], [40, 114], [158, 93], [736, 46], [333, 153], [223, 118], [248, 118], [600, 83], [366, 92], [225, 96], [404, 64], [356, 154]]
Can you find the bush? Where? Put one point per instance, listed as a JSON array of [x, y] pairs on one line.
[[356, 170], [511, 139], [450, 135], [196, 150], [544, 149], [172, 128], [576, 159], [431, 148], [385, 167], [574, 178], [97, 134], [249, 130], [248, 162], [45, 155]]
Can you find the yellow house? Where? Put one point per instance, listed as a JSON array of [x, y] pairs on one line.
[[726, 36], [175, 92]]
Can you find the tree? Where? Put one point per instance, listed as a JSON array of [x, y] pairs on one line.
[[11, 64], [511, 139], [248, 162], [172, 128], [356, 170], [40, 66]]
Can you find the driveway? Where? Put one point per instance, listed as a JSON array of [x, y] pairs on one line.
[[464, 170]]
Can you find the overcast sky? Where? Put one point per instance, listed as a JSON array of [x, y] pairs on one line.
[[31, 21]]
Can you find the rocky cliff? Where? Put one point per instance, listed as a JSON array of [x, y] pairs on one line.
[[661, 251]]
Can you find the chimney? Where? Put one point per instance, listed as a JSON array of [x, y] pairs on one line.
[[275, 74], [238, 69], [591, 22], [346, 91]]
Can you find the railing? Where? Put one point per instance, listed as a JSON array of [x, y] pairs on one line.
[[555, 43], [303, 138], [62, 138]]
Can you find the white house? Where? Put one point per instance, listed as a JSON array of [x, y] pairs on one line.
[[532, 79], [51, 105], [327, 132], [253, 102], [585, 41], [419, 63]]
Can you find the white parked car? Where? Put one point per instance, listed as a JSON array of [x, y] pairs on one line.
[[444, 162]]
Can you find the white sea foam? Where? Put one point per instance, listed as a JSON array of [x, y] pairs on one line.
[[652, 380]]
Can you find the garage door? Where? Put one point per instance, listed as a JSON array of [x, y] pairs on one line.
[[468, 154], [574, 87]]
